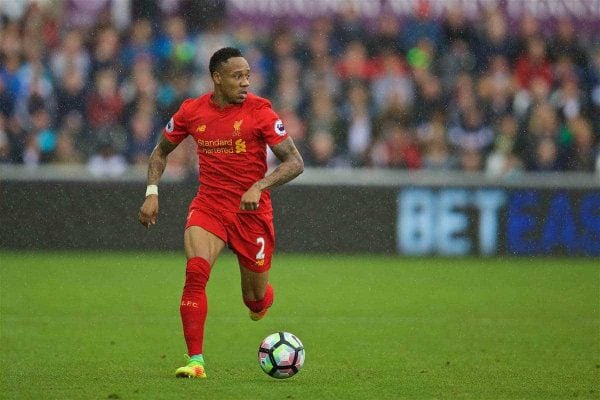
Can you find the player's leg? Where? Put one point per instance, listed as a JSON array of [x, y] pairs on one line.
[[257, 292], [252, 238], [202, 249]]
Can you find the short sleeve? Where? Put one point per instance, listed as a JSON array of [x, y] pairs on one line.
[[270, 125], [175, 130]]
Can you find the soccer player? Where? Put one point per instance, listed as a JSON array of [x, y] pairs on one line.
[[232, 128]]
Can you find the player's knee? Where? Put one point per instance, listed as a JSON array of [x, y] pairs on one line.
[[197, 273]]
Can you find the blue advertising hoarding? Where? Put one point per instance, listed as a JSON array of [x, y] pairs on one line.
[[488, 221]]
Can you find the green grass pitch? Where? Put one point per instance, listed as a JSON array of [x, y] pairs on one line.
[[102, 325]]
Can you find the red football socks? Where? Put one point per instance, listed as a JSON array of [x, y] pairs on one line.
[[193, 306], [265, 302]]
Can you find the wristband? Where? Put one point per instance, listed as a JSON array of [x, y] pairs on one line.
[[151, 189]]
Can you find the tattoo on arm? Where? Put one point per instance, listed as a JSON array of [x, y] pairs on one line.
[[158, 160], [291, 165]]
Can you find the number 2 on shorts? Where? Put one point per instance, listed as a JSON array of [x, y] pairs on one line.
[[261, 253]]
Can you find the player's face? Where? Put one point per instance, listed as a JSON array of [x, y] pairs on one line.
[[232, 80]]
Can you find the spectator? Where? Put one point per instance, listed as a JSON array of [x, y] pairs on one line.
[[545, 156], [282, 52], [528, 30], [106, 162], [392, 84], [319, 41], [43, 134], [396, 148], [319, 76], [435, 149], [566, 43], [455, 27], [106, 51], [582, 152], [104, 106], [70, 95], [458, 59], [322, 114], [387, 37], [11, 47], [175, 48], [496, 89], [429, 97], [65, 152], [503, 160], [421, 26], [35, 83], [322, 152], [288, 93], [472, 132], [494, 40], [356, 124], [142, 139], [355, 64], [71, 57], [139, 90], [17, 138], [540, 150], [525, 101], [568, 99], [533, 63], [347, 28], [82, 143], [139, 44]]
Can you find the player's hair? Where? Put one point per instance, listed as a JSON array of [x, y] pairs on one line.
[[221, 56]]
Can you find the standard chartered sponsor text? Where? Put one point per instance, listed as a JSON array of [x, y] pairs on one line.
[[215, 142]]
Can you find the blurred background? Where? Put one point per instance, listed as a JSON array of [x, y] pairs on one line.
[[501, 87], [432, 127]]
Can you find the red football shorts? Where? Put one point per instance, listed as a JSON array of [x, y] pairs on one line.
[[251, 236]]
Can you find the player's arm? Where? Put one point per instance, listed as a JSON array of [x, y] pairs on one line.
[[290, 167], [156, 166]]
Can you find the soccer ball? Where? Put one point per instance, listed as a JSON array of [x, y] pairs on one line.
[[281, 355]]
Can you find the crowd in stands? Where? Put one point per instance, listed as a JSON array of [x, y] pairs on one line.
[[491, 94]]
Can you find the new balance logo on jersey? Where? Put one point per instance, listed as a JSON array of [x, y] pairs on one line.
[[201, 128]]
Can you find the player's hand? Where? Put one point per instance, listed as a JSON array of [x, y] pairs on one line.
[[149, 211], [250, 199]]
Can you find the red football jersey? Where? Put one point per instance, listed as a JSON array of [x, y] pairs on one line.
[[232, 146]]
